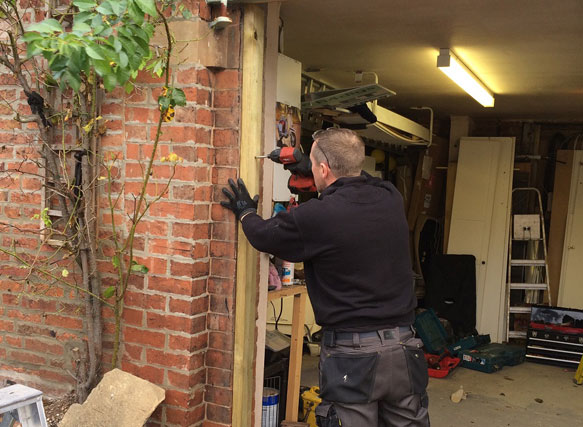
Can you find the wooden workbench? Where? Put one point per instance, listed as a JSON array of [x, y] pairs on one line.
[[297, 343]]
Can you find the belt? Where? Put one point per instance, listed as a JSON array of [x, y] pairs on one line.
[[330, 336]]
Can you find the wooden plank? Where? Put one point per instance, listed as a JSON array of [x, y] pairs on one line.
[[449, 189], [265, 208], [570, 288], [560, 205], [247, 274], [295, 358], [286, 291]]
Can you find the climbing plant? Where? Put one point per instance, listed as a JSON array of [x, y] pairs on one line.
[[64, 64]]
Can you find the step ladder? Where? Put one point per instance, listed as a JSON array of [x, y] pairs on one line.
[[528, 269]]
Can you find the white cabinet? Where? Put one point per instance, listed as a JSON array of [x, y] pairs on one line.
[[571, 284], [480, 223]]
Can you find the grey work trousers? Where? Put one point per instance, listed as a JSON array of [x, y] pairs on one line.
[[373, 379]]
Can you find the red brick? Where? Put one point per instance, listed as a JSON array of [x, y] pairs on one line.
[[219, 322], [220, 175], [188, 343], [43, 346], [225, 138], [192, 307], [223, 267], [147, 77], [142, 115], [219, 395], [133, 352], [219, 359], [136, 132], [188, 324], [221, 286], [14, 341], [203, 77], [152, 228], [222, 249], [221, 304], [175, 286], [227, 118], [174, 210], [221, 414], [114, 108], [226, 79], [27, 317], [196, 269], [23, 357], [185, 417], [150, 373], [220, 341], [39, 304], [186, 381], [225, 98], [64, 322], [133, 317], [140, 336], [6, 326], [191, 231], [204, 117]]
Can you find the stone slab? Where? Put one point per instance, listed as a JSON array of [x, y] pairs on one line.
[[120, 399]]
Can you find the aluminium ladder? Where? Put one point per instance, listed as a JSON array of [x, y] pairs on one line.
[[528, 269]]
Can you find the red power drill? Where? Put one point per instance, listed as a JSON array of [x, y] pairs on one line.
[[293, 160]]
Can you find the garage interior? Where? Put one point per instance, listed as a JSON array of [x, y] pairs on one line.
[[493, 195]]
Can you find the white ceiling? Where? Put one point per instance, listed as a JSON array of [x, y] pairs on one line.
[[528, 52]]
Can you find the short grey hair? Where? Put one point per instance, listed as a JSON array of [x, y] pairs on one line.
[[342, 149]]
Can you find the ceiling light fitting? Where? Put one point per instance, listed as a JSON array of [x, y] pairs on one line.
[[453, 68]]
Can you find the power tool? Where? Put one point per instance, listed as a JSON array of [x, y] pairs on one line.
[[300, 166]]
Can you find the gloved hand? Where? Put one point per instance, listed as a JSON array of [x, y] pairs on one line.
[[240, 202]]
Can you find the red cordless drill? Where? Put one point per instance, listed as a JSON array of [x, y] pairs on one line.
[[298, 163]]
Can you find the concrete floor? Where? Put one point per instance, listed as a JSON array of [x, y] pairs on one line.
[[526, 395]]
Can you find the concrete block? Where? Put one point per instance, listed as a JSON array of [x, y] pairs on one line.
[[120, 399]]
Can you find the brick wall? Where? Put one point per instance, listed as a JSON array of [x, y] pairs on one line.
[[178, 320]]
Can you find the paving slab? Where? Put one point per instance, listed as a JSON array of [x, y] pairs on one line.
[[120, 399]]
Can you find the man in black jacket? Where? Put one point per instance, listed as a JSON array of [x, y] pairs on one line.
[[353, 240]]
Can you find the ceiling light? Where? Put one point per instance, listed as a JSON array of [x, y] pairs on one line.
[[464, 78]]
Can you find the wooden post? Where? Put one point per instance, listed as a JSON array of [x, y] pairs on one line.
[[246, 279]]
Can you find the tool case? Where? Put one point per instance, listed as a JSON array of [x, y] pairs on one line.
[[492, 357], [435, 339]]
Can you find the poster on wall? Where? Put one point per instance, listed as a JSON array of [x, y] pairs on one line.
[[287, 125]]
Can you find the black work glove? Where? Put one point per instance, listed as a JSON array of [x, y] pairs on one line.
[[240, 202]]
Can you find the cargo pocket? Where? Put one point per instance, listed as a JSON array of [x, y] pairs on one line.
[[326, 416], [348, 378], [417, 367]]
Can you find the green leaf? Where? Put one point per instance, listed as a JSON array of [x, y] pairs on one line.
[[29, 37], [34, 48], [110, 82], [117, 44], [81, 28], [93, 53], [108, 293], [138, 268], [84, 5], [119, 7], [47, 26], [105, 8], [128, 87], [74, 80], [186, 14], [83, 16], [115, 261], [178, 97], [147, 6], [135, 13], [123, 59], [163, 102], [102, 67]]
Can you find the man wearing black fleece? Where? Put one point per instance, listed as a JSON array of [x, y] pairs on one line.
[[353, 240]]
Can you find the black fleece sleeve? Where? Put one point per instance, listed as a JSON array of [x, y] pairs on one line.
[[278, 236]]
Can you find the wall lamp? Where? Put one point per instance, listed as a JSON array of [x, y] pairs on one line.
[[453, 68]]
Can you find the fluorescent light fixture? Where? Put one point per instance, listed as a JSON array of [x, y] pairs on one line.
[[453, 68]]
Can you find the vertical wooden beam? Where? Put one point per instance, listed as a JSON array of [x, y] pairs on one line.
[[247, 277], [459, 126], [269, 99]]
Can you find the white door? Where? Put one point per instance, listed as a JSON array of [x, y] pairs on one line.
[[571, 285], [480, 223]]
